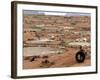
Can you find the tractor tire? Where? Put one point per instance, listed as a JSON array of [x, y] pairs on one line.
[[80, 57]]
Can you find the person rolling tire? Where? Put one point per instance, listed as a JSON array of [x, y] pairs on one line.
[[80, 55]]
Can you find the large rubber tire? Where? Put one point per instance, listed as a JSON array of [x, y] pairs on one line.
[[80, 57]]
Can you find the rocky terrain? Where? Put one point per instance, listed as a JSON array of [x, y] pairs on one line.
[[60, 35]]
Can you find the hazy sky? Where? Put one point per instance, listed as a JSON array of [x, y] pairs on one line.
[[38, 12]]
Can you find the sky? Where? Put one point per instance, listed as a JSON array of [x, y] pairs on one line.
[[38, 12]]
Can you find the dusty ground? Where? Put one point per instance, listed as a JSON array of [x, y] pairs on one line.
[[66, 59], [57, 24]]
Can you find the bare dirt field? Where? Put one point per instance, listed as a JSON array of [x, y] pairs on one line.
[[66, 59]]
